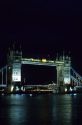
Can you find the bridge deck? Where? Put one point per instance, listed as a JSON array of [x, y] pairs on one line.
[[38, 63]]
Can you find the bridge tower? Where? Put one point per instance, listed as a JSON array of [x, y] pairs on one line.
[[14, 69], [63, 66], [67, 70]]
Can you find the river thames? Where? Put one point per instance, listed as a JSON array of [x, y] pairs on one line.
[[41, 109]]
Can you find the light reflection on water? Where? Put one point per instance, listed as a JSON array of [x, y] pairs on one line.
[[41, 110], [62, 109]]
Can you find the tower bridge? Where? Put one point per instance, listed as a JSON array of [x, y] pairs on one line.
[[67, 77]]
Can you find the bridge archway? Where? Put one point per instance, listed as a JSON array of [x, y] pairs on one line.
[[38, 74]]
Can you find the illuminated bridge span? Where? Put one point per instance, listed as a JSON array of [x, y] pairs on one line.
[[38, 62], [66, 76]]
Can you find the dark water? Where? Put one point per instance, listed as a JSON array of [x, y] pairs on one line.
[[41, 110]]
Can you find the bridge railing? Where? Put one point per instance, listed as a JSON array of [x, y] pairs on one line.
[[77, 74], [76, 77]]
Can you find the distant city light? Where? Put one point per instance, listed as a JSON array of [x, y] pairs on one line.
[[32, 59], [71, 89], [65, 89], [67, 80], [12, 87], [44, 60]]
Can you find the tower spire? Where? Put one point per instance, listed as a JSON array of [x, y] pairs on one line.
[[13, 46], [63, 55], [57, 56]]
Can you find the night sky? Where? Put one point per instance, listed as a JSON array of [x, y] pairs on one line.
[[43, 28]]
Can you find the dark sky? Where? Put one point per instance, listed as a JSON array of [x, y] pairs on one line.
[[42, 27]]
